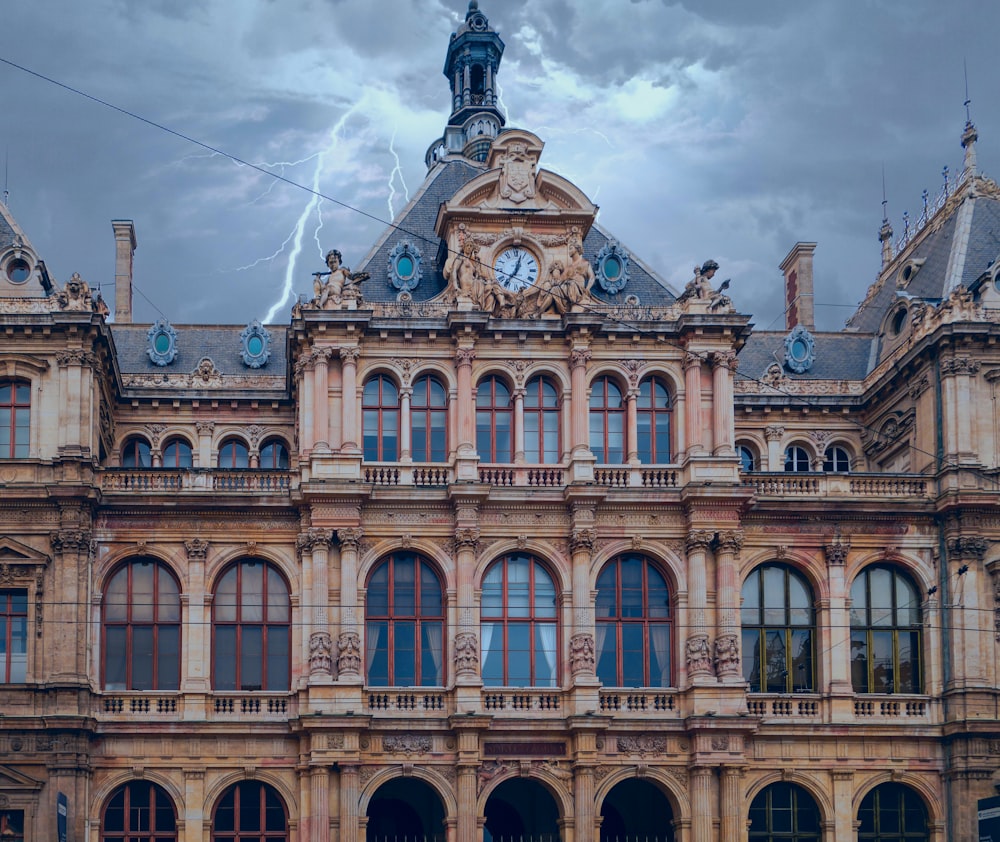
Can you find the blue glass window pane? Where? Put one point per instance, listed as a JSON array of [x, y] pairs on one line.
[[404, 653], [431, 655], [546, 656], [225, 658], [519, 655], [252, 658], [607, 654], [168, 658], [377, 646]]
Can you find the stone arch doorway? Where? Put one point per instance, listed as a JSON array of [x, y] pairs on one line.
[[405, 810], [521, 810], [636, 811]]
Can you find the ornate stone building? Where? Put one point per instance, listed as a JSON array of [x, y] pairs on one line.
[[500, 537]]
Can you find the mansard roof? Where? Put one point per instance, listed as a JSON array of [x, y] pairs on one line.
[[838, 356]]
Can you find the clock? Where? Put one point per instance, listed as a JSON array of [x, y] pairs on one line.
[[515, 268]]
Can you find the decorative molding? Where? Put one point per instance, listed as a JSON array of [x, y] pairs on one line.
[[698, 539], [583, 539], [350, 354], [350, 537], [76, 356], [466, 652], [727, 655], [349, 653], [314, 537], [731, 541], [967, 549], [467, 537], [406, 743], [579, 357], [642, 744], [196, 549], [773, 432], [581, 654], [320, 653], [959, 365], [698, 655]]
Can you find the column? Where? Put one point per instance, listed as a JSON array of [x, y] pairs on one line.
[[969, 618], [579, 403], [773, 433], [632, 426], [519, 425], [320, 792], [194, 798], [723, 426], [205, 430], [467, 665], [697, 653], [349, 364], [585, 807], [583, 662], [466, 458], [692, 403], [727, 601], [65, 647], [73, 432], [304, 380], [839, 623], [349, 641], [405, 425], [732, 821], [843, 805], [315, 548], [468, 824], [195, 675], [348, 804], [956, 382], [701, 805], [466, 83], [321, 389]]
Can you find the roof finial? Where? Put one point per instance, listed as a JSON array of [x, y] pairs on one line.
[[969, 135], [885, 231]]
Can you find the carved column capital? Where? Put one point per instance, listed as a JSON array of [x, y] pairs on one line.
[[350, 354], [836, 553], [698, 655], [724, 359], [579, 357], [465, 356], [698, 539], [731, 541], [773, 432], [70, 541], [350, 537], [583, 539], [75, 356], [692, 360], [467, 537], [314, 537], [970, 549], [204, 428]]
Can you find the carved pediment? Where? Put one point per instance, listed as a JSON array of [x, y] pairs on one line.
[[12, 782], [16, 554]]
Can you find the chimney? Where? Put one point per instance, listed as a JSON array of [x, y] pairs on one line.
[[798, 270], [124, 249]]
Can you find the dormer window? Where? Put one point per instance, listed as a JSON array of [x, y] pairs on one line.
[[18, 270]]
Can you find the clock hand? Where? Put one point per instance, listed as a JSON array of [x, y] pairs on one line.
[[517, 266]]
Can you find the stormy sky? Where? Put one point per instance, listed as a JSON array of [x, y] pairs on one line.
[[702, 128]]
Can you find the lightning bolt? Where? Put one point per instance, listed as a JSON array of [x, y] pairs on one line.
[[392, 176], [312, 206], [500, 105]]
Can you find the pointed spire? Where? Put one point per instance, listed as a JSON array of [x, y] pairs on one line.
[[885, 232], [969, 135]]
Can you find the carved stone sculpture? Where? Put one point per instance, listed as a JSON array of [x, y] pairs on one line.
[[466, 652], [698, 655], [75, 295], [340, 284], [581, 654], [727, 655], [349, 654], [320, 653]]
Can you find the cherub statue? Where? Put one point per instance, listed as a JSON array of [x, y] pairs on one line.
[[700, 287], [340, 284]]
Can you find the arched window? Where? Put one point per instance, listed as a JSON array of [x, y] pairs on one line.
[[885, 632], [892, 812], [233, 455], [607, 422], [139, 811], [274, 456], [541, 421], [380, 419], [653, 411], [142, 628], [251, 628], [177, 454], [784, 812], [836, 460], [494, 421], [748, 457], [777, 619], [429, 420], [633, 624], [519, 631], [15, 419], [796, 460], [136, 453], [250, 811], [404, 613]]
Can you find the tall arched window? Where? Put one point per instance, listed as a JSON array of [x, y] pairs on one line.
[[784, 812], [234, 455], [892, 812], [494, 421], [653, 411], [429, 420], [797, 460], [633, 624], [177, 454], [778, 621], [404, 613], [142, 628], [250, 811], [136, 453], [15, 419], [380, 419], [274, 456], [139, 811], [519, 630], [607, 422], [885, 632], [541, 421], [251, 626]]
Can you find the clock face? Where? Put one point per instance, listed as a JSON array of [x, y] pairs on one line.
[[516, 268]]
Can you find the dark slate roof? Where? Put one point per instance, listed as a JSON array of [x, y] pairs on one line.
[[7, 234], [220, 343], [416, 224], [984, 241], [839, 356]]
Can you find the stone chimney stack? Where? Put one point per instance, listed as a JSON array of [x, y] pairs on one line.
[[797, 268], [124, 250]]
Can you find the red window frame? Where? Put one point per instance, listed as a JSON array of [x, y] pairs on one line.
[[646, 408], [618, 620], [129, 624], [262, 829], [602, 411], [273, 455], [379, 405], [538, 407], [424, 405], [507, 618], [494, 400], [241, 624], [9, 615], [144, 804], [231, 453], [393, 616], [15, 404], [174, 454], [136, 453]]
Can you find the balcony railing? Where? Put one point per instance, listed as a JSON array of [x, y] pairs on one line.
[[895, 707], [155, 706], [529, 701], [628, 477], [195, 480], [893, 486], [406, 702], [806, 708], [659, 702]]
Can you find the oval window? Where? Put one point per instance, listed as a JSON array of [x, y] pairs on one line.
[[799, 349], [404, 267], [161, 343], [612, 268], [255, 346]]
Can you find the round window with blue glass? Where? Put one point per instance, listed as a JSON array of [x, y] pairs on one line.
[[255, 345], [162, 339], [611, 268], [404, 266], [800, 350]]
